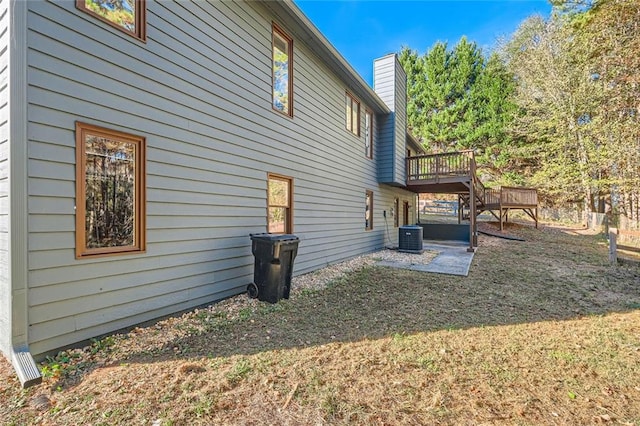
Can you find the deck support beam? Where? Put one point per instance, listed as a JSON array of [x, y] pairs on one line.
[[455, 173], [473, 223]]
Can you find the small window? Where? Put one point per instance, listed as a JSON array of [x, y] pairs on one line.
[[368, 211], [110, 191], [282, 71], [396, 212], [368, 134], [352, 114], [125, 15], [406, 208], [279, 204]]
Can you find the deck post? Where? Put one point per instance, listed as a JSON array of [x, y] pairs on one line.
[[472, 214], [613, 246], [502, 212]]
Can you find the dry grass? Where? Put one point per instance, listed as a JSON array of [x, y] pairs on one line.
[[541, 332]]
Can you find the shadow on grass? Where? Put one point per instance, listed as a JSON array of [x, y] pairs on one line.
[[551, 276]]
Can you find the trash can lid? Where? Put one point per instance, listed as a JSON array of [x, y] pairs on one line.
[[274, 237]]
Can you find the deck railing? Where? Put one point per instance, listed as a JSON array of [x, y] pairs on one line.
[[492, 196], [435, 166], [511, 196], [519, 196]]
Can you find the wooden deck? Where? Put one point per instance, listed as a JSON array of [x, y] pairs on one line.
[[510, 198], [447, 173], [455, 173]]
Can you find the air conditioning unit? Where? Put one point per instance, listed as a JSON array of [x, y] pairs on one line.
[[410, 239]]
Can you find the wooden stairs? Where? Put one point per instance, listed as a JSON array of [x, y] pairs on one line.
[[455, 173]]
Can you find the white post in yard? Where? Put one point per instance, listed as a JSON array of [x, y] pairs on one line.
[[613, 245]]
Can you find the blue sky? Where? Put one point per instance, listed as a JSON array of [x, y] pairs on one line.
[[363, 30]]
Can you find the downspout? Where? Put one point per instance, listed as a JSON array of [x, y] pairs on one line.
[[21, 357]]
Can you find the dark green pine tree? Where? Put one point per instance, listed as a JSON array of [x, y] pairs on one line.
[[439, 86], [458, 99]]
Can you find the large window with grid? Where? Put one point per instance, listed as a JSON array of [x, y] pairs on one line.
[[110, 191]]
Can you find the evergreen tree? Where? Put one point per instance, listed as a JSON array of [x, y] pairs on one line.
[[458, 100]]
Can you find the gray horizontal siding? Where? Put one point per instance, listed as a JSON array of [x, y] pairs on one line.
[[199, 90], [384, 75], [390, 85], [384, 149], [5, 279], [400, 113]]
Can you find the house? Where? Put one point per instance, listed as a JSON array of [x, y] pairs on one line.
[[143, 141]]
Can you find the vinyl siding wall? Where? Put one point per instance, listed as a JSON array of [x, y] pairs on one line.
[[390, 85], [199, 90], [400, 99], [383, 75], [5, 280]]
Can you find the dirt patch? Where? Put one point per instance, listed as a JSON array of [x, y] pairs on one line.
[[543, 331]]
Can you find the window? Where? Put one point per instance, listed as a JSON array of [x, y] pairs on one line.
[[368, 211], [125, 15], [352, 114], [110, 191], [282, 71], [279, 204], [406, 208], [368, 134], [396, 212]]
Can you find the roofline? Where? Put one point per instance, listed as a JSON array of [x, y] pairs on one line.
[[414, 142], [311, 35]]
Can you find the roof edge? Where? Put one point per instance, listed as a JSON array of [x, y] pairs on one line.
[[314, 38]]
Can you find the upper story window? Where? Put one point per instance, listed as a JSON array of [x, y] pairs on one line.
[[110, 191], [282, 71], [126, 15], [279, 204], [352, 114], [368, 134]]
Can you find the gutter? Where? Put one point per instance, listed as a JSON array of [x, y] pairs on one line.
[[20, 356], [26, 368], [306, 31]]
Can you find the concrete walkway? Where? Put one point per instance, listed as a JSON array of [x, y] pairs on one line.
[[452, 259]]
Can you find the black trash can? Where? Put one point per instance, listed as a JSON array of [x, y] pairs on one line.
[[273, 267]]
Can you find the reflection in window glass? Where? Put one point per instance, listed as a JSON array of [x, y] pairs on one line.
[[120, 12], [368, 134], [281, 72], [352, 115], [279, 205], [126, 15], [110, 191], [348, 105], [368, 211]]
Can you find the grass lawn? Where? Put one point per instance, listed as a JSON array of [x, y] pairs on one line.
[[541, 332]]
